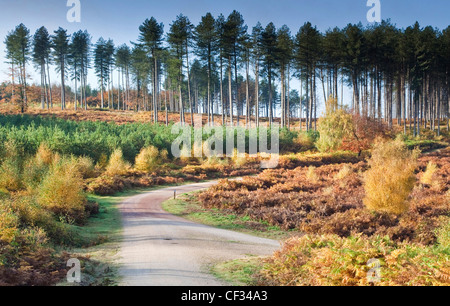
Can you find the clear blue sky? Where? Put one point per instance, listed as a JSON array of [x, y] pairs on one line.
[[119, 19]]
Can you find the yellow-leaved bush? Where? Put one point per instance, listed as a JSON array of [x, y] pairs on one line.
[[390, 179], [117, 165], [334, 127], [61, 191], [149, 159], [428, 176]]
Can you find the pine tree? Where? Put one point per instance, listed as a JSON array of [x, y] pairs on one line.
[[270, 62], [151, 36], [123, 62], [109, 59], [41, 53], [80, 63], [257, 52], [206, 38], [179, 38], [60, 45], [18, 44], [284, 57], [234, 34], [101, 66], [141, 68], [307, 46]]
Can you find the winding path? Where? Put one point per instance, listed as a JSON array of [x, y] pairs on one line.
[[160, 249]]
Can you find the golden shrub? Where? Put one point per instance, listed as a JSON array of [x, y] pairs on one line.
[[390, 179], [443, 233], [239, 159], [11, 168], [44, 156], [102, 162], [164, 155], [148, 159], [303, 142], [334, 127], [186, 154], [429, 174], [117, 165], [61, 191], [344, 172], [85, 166], [312, 175], [11, 174], [8, 224]]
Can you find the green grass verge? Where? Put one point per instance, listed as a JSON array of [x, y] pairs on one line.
[[240, 272], [426, 145], [188, 207]]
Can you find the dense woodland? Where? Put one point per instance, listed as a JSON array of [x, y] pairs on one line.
[[224, 67]]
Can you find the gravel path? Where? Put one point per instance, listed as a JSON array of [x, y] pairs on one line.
[[160, 249]]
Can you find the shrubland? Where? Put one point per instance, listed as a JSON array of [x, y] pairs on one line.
[[41, 195], [367, 195], [48, 165], [327, 204], [330, 260]]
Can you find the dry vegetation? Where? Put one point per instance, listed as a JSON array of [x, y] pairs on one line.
[[333, 197], [329, 260], [408, 231], [329, 199]]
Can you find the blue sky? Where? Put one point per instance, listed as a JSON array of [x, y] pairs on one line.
[[119, 20]]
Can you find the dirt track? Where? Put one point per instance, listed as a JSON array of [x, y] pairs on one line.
[[160, 249]]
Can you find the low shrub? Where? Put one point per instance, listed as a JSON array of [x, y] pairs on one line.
[[85, 166], [443, 233], [61, 192], [334, 127], [149, 159], [427, 177], [44, 155], [11, 174], [302, 143], [345, 172], [239, 159], [390, 179], [8, 225], [311, 175], [117, 165], [11, 168], [333, 261]]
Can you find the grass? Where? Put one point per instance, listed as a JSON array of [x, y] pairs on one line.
[[188, 207], [425, 145], [239, 272]]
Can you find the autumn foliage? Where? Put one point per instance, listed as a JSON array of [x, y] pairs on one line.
[[390, 179], [333, 261], [329, 199], [341, 129]]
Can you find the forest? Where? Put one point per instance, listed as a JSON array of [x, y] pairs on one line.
[[360, 178], [240, 73]]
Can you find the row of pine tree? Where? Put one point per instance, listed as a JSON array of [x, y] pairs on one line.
[[221, 67]]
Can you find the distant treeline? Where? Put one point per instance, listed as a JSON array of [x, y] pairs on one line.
[[221, 66]]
